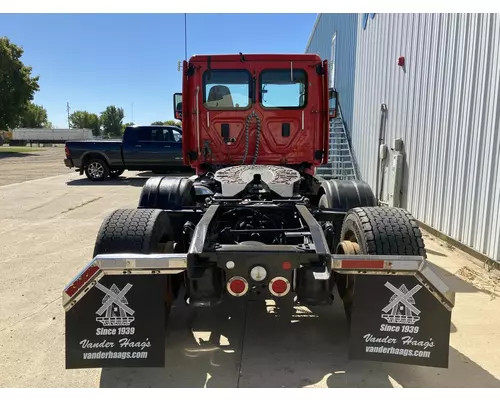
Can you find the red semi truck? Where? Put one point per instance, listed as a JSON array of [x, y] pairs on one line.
[[255, 222]]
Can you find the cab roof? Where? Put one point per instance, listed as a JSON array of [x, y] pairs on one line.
[[257, 57]]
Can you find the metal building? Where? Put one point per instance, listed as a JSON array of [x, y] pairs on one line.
[[433, 81]]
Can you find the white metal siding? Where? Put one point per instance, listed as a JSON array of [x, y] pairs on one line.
[[320, 42], [445, 107]]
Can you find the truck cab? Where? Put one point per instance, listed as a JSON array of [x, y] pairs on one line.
[[254, 109]]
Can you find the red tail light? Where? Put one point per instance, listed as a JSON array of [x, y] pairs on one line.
[[66, 150], [237, 286], [279, 286]]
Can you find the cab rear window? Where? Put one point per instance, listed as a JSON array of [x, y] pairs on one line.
[[283, 88], [226, 89]]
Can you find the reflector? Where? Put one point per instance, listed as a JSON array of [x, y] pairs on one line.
[[84, 277]]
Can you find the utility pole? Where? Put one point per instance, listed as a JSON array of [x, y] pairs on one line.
[[67, 109], [132, 113], [185, 38]]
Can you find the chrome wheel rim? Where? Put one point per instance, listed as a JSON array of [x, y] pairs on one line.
[[96, 170]]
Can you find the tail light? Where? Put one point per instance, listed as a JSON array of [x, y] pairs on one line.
[[279, 286], [237, 286], [66, 150]]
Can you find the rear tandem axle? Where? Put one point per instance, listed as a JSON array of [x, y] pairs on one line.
[[258, 244]]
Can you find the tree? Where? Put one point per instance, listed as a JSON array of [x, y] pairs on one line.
[[34, 116], [86, 120], [127, 124], [170, 122], [173, 123], [112, 119], [17, 86]]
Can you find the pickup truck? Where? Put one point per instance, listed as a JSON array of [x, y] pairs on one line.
[[143, 148]]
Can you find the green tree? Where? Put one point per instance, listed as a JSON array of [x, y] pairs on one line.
[[127, 124], [112, 121], [170, 122], [86, 120], [34, 116], [17, 86]]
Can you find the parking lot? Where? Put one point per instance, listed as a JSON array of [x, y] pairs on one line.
[[50, 217], [33, 163]]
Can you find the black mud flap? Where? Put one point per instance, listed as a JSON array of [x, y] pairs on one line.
[[397, 319], [119, 322]]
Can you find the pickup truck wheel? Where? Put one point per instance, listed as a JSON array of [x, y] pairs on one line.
[[96, 169], [116, 173], [143, 231], [376, 231]]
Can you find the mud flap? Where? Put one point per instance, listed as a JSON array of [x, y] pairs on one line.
[[396, 319], [401, 311], [119, 322]]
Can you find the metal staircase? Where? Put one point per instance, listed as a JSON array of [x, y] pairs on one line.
[[340, 159]]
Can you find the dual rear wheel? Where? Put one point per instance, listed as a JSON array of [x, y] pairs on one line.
[[150, 229], [366, 229], [375, 231], [142, 231]]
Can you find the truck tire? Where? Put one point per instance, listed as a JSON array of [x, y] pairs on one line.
[[345, 195], [167, 193], [96, 169], [377, 231], [133, 231], [140, 231]]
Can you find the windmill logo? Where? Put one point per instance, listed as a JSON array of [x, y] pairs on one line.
[[401, 308], [114, 310]]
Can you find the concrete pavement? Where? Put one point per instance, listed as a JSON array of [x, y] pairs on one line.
[[47, 235]]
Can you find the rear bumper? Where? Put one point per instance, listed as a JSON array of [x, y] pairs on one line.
[[159, 264], [135, 283]]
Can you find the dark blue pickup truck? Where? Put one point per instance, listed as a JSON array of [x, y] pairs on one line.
[[143, 148]]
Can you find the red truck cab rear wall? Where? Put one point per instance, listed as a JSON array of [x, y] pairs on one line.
[[288, 94]]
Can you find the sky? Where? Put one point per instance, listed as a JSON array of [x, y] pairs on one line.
[[130, 60]]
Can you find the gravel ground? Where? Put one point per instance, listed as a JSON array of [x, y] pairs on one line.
[[16, 167]]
